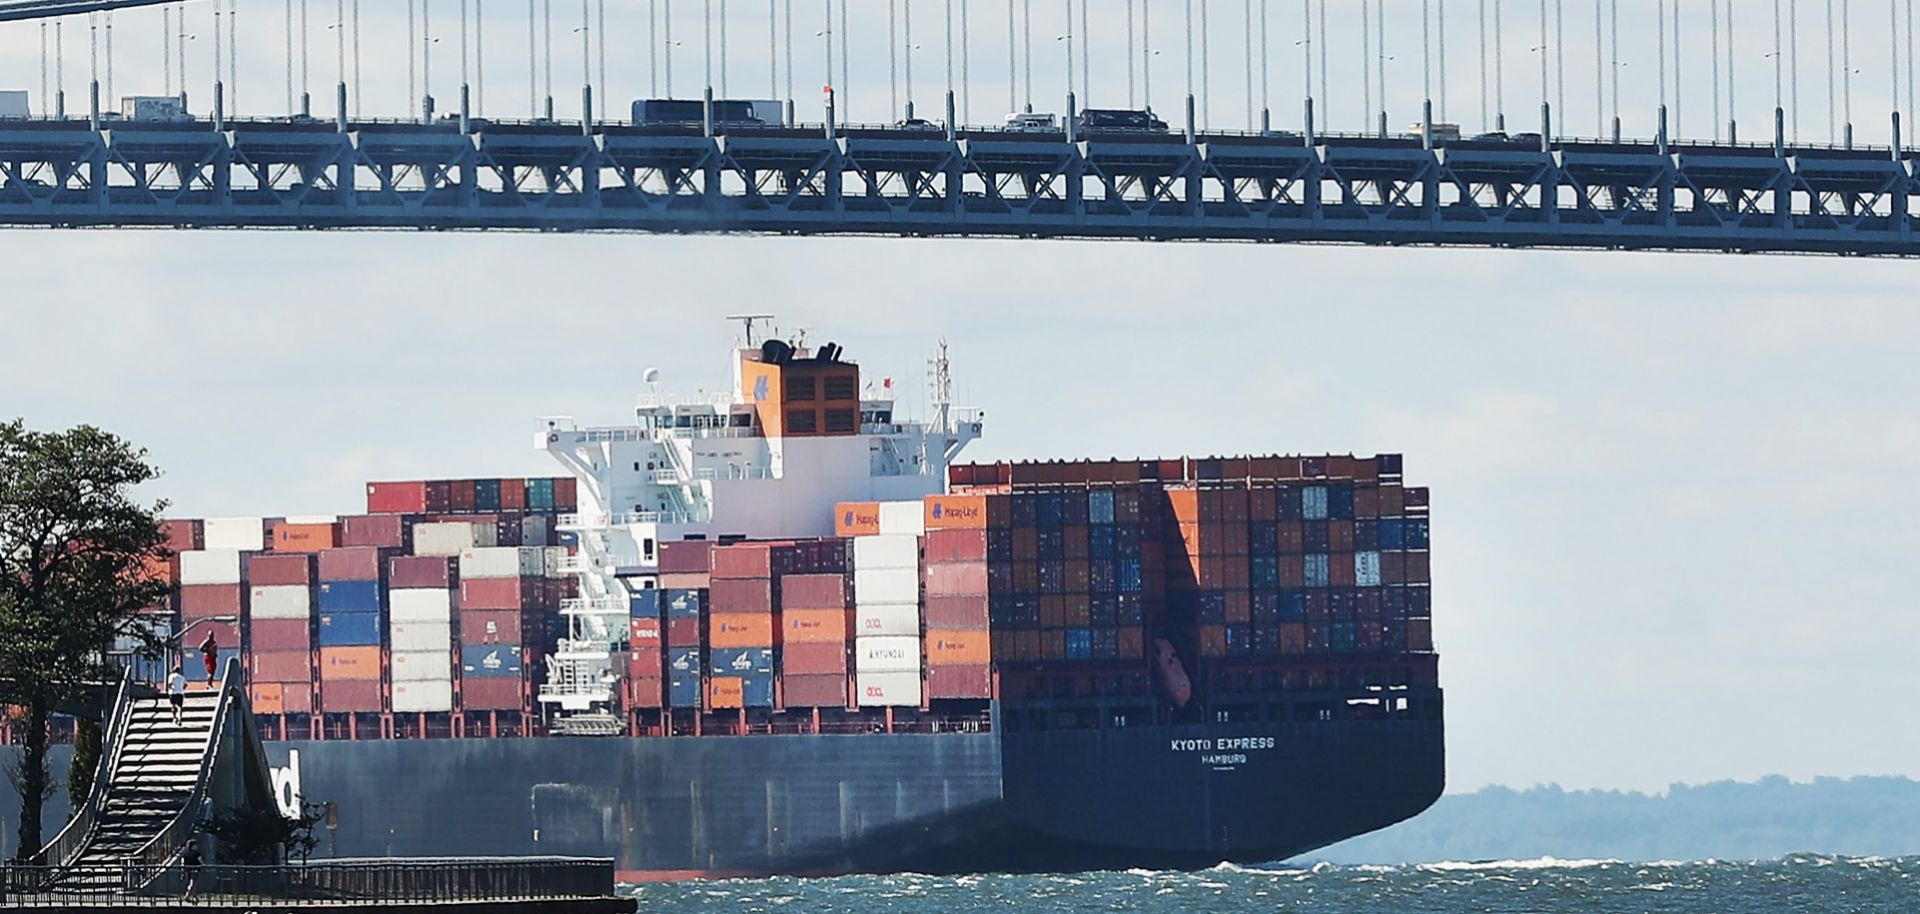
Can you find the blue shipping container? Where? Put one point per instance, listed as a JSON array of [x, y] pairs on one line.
[[683, 690], [1392, 533], [683, 660], [1049, 510], [645, 604], [539, 494], [1313, 503], [1128, 570], [490, 661], [1293, 606], [349, 596], [349, 629], [684, 604], [1340, 503], [1100, 507], [1317, 570], [1416, 532], [1079, 644], [756, 691], [741, 661]]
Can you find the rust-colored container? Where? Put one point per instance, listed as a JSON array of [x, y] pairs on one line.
[[956, 512], [380, 530], [1213, 641], [813, 591], [396, 497], [285, 537], [957, 613], [491, 694], [359, 563], [182, 535], [566, 495], [960, 682], [1026, 646], [1132, 642], [199, 601], [813, 626], [1340, 536], [489, 626], [499, 593], [425, 572], [745, 595], [1419, 568], [958, 579], [823, 691], [267, 698], [685, 581], [814, 659], [349, 663], [958, 648], [282, 666], [1239, 606], [1053, 645], [725, 692], [279, 570], [684, 632], [276, 635], [743, 560], [646, 692], [296, 697], [687, 557], [732, 630], [1077, 610], [1340, 571], [461, 491], [1391, 500], [949, 546], [342, 696], [513, 497], [1420, 634]]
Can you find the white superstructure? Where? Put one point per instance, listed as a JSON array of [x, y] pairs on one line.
[[796, 435]]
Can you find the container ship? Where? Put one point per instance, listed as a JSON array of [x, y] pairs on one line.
[[785, 631]]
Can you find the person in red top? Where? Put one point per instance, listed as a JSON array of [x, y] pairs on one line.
[[210, 652]]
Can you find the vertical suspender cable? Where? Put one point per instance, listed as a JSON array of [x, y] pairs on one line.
[[546, 52], [586, 58], [1440, 40], [906, 35], [1560, 57], [1893, 47], [1086, 54], [1133, 100], [600, 36], [1846, 67], [233, 55], [1026, 48], [846, 64], [1483, 64], [1069, 42], [966, 61], [1366, 66], [949, 45], [725, 45], [306, 55], [1146, 54], [773, 47], [1426, 50], [1713, 10], [426, 51], [706, 42], [1599, 68], [479, 53], [1733, 115], [653, 48], [893, 58], [533, 61], [827, 6], [46, 100], [1206, 68], [1679, 97], [110, 94], [1189, 56], [1910, 105], [1013, 60], [1833, 102], [1322, 45], [1613, 44], [93, 45], [1306, 49], [1379, 55], [1660, 53], [357, 106], [787, 24], [1265, 47], [1545, 87], [60, 64], [1499, 68]]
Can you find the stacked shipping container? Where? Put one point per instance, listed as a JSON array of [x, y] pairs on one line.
[[740, 610]]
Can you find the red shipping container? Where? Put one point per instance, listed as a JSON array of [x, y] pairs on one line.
[[949, 546], [342, 696], [644, 634], [685, 581], [499, 593], [957, 613], [646, 692], [959, 682], [1420, 634], [968, 579], [814, 691], [182, 535], [487, 694], [389, 530], [513, 495], [360, 563], [282, 666], [646, 662], [296, 698], [427, 572], [566, 494], [274, 635], [813, 591], [199, 601], [683, 632], [743, 560], [812, 659], [280, 570], [396, 497], [688, 557], [462, 495], [489, 627], [743, 595], [439, 495]]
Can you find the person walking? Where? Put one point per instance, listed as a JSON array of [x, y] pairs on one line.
[[190, 864], [210, 653], [177, 693]]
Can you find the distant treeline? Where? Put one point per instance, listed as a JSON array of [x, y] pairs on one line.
[[1723, 821]]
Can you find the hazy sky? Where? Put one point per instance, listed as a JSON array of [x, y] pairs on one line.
[[1673, 497]]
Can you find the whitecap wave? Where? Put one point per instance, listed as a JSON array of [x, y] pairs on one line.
[[1538, 863]]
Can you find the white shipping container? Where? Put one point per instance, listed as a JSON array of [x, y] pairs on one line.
[[211, 566], [417, 605], [886, 585], [313, 519], [420, 636], [887, 654], [873, 553], [556, 555], [1366, 569], [880, 690], [423, 697], [903, 518], [501, 562], [886, 619], [422, 666], [247, 534], [288, 601], [450, 539]]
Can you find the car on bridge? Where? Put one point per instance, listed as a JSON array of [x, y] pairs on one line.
[[1031, 122], [1118, 120]]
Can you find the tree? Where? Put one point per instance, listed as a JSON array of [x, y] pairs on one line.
[[75, 554], [86, 758], [263, 837]]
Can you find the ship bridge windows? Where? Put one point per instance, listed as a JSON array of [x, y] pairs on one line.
[[876, 417]]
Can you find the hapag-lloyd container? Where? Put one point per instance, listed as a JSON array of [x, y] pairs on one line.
[[293, 601], [886, 619], [240, 534], [221, 566], [886, 585], [876, 689], [281, 666], [872, 553], [887, 654], [958, 648], [350, 663], [288, 536], [954, 512], [740, 630], [856, 518], [415, 696], [813, 626]]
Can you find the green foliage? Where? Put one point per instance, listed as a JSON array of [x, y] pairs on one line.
[[262, 837], [86, 758], [73, 548]]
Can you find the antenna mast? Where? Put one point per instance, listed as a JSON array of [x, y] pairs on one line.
[[747, 320], [942, 386]]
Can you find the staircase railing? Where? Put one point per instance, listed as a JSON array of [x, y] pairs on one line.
[[156, 853], [73, 838]]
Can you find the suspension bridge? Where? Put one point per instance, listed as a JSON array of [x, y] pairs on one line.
[[1336, 164]]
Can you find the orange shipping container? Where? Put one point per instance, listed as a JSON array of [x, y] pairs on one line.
[[813, 626], [959, 649], [1186, 505], [302, 537], [725, 692], [740, 630], [856, 518], [343, 663], [956, 512], [268, 698]]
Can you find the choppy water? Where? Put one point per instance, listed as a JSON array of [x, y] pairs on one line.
[[1803, 884]]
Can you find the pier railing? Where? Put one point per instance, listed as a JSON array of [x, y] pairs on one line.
[[342, 882]]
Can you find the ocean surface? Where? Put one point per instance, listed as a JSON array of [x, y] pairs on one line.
[[1805, 884]]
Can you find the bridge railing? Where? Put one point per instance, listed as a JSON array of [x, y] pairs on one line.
[[429, 880], [71, 839]]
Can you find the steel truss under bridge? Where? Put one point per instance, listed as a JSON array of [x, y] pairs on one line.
[[15, 10], [552, 177]]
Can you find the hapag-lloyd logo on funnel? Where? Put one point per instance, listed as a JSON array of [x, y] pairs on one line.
[[760, 389]]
